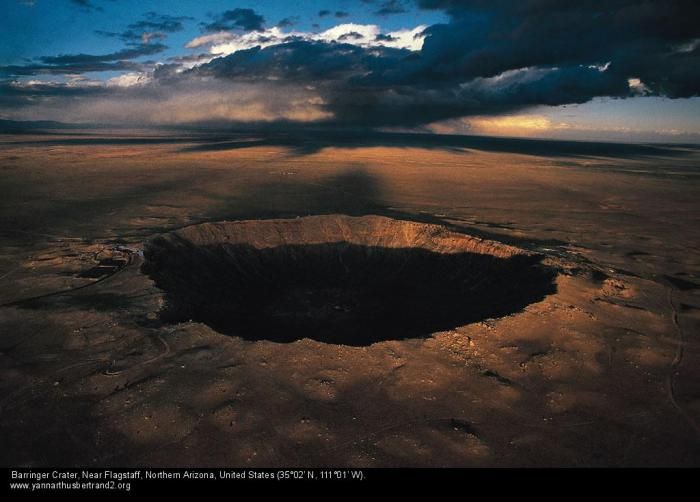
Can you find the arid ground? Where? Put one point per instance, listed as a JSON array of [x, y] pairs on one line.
[[595, 364]]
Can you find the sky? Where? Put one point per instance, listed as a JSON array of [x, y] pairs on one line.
[[622, 70]]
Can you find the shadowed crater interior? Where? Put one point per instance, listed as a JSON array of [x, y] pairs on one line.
[[339, 279]]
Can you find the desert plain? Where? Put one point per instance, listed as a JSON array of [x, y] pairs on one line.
[[594, 363]]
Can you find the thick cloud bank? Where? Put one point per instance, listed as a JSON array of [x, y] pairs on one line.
[[490, 57]]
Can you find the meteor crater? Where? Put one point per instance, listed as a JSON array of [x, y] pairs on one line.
[[339, 279]]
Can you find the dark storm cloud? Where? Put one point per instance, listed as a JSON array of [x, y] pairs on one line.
[[493, 57], [391, 7], [300, 61], [412, 106], [641, 39], [365, 87], [236, 19]]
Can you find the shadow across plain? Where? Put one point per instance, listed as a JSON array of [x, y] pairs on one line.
[[308, 141], [302, 140], [339, 293]]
